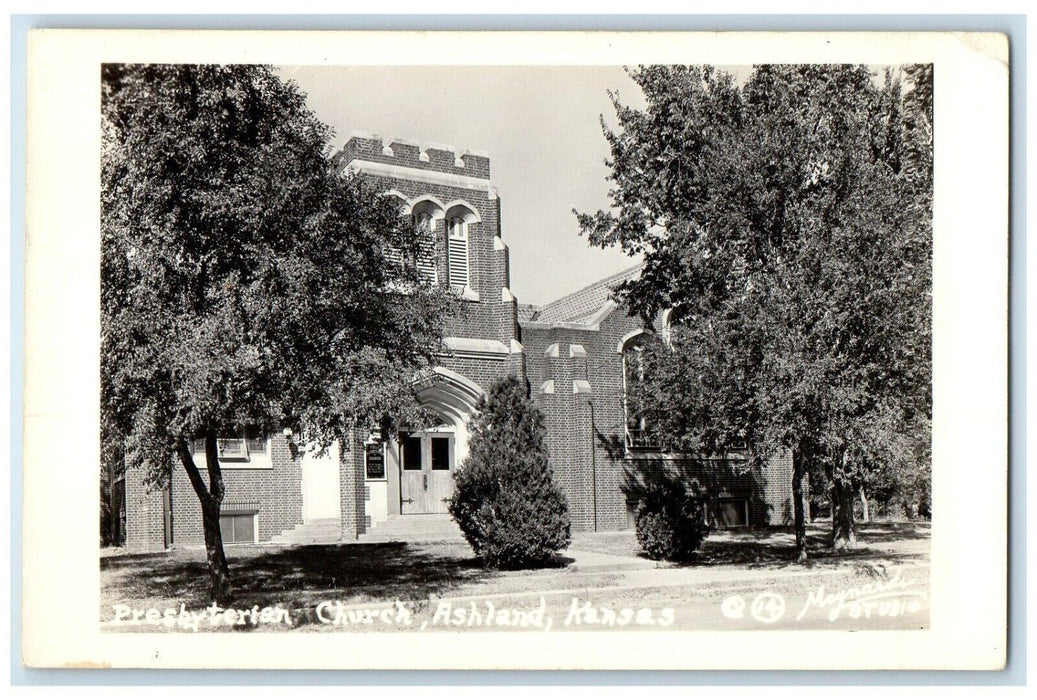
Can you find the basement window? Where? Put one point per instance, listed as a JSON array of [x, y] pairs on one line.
[[238, 528], [731, 512]]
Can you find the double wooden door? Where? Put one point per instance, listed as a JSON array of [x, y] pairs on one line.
[[426, 471]]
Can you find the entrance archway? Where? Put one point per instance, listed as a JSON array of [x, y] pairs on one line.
[[453, 397], [427, 459]]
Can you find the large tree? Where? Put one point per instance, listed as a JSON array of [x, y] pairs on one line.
[[786, 221], [245, 284]]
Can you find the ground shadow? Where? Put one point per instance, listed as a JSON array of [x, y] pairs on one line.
[[884, 531], [296, 577], [557, 561], [769, 548]]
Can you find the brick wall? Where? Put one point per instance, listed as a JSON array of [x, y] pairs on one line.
[[352, 491], [582, 400], [481, 371], [144, 519], [482, 318], [586, 430], [491, 317], [777, 490], [276, 492], [408, 153]]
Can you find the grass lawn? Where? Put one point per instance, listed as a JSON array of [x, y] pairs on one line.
[[774, 547], [298, 578], [372, 576]]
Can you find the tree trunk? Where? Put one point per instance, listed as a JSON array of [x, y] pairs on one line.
[[211, 499], [865, 509], [219, 574], [843, 496], [800, 496], [909, 509]]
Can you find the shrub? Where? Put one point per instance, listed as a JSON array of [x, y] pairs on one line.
[[670, 521], [505, 499]]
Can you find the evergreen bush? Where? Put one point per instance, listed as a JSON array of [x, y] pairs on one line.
[[505, 499], [671, 521]]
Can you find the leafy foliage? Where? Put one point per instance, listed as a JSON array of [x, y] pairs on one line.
[[505, 499], [670, 520], [787, 223], [244, 281]]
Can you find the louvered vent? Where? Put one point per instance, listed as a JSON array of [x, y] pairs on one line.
[[457, 253], [426, 260], [393, 257], [427, 263]]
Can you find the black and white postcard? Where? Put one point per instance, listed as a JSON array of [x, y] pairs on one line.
[[516, 350]]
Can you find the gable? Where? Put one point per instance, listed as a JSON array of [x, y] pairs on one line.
[[584, 305]]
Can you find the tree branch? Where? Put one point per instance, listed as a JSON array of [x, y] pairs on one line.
[[183, 451], [212, 463]]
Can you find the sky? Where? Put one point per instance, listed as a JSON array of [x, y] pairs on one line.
[[540, 127]]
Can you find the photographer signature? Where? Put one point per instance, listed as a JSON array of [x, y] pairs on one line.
[[892, 597]]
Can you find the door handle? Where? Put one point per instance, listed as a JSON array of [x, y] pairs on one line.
[[424, 479]]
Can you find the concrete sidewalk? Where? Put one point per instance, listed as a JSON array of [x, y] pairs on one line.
[[587, 561], [644, 574]]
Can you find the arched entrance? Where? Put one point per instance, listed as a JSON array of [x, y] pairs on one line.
[[426, 460]]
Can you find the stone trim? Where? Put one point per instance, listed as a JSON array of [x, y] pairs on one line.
[[429, 177], [476, 348], [628, 337]]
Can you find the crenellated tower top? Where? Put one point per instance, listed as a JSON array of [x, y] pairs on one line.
[[363, 147]]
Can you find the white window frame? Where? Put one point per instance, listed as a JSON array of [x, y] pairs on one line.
[[251, 459], [459, 216]]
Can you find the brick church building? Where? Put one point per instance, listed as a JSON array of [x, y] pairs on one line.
[[575, 353]]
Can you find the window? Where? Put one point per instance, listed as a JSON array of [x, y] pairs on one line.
[[410, 452], [232, 448], [731, 512], [394, 257], [441, 453], [238, 528], [667, 327], [638, 434], [256, 446], [457, 252], [424, 226], [253, 452]]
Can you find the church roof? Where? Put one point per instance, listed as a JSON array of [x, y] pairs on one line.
[[584, 303], [526, 312]]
